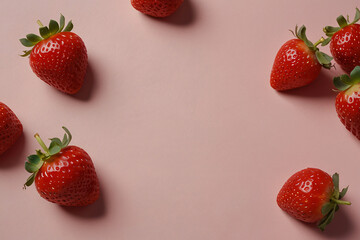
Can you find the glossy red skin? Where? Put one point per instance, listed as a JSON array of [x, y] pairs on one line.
[[69, 178], [10, 128], [345, 47], [304, 194], [157, 8], [348, 110], [60, 61], [295, 66]]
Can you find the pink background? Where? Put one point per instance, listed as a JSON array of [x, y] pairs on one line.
[[188, 139]]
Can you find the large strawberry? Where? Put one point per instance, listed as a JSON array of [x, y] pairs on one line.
[[311, 195], [58, 57], [345, 42], [298, 62], [348, 100], [10, 128], [157, 8], [63, 174]]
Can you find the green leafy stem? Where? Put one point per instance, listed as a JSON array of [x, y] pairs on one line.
[[343, 22], [35, 162], [329, 209], [45, 32], [345, 81], [323, 58]]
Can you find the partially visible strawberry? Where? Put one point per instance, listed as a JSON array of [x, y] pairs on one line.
[[311, 195], [348, 100], [345, 42], [63, 174], [298, 62], [58, 57], [157, 8], [10, 128]]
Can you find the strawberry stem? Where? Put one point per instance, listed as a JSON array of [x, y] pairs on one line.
[[42, 144], [340, 201], [39, 23], [321, 40]]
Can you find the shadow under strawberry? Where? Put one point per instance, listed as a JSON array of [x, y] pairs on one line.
[[322, 87], [14, 155], [96, 210], [185, 15], [342, 226], [89, 86]]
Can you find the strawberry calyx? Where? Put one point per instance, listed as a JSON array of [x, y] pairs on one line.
[[36, 161], [345, 81], [323, 58], [343, 22], [45, 32], [328, 209]]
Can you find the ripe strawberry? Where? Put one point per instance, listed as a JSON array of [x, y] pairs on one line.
[[58, 57], [311, 195], [157, 8], [348, 100], [10, 128], [345, 42], [298, 62], [63, 174]]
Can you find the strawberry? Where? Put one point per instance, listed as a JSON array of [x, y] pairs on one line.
[[348, 100], [58, 57], [298, 62], [63, 174], [10, 128], [157, 8], [311, 195], [345, 42]]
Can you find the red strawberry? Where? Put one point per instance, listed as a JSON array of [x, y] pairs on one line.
[[157, 8], [10, 128], [311, 195], [58, 57], [348, 101], [63, 174], [298, 62], [345, 42]]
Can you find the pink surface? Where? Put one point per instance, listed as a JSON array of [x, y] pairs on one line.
[[188, 139]]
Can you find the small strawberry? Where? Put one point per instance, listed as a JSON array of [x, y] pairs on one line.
[[58, 57], [298, 62], [10, 128], [345, 42], [63, 174], [157, 8], [348, 100], [311, 195]]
